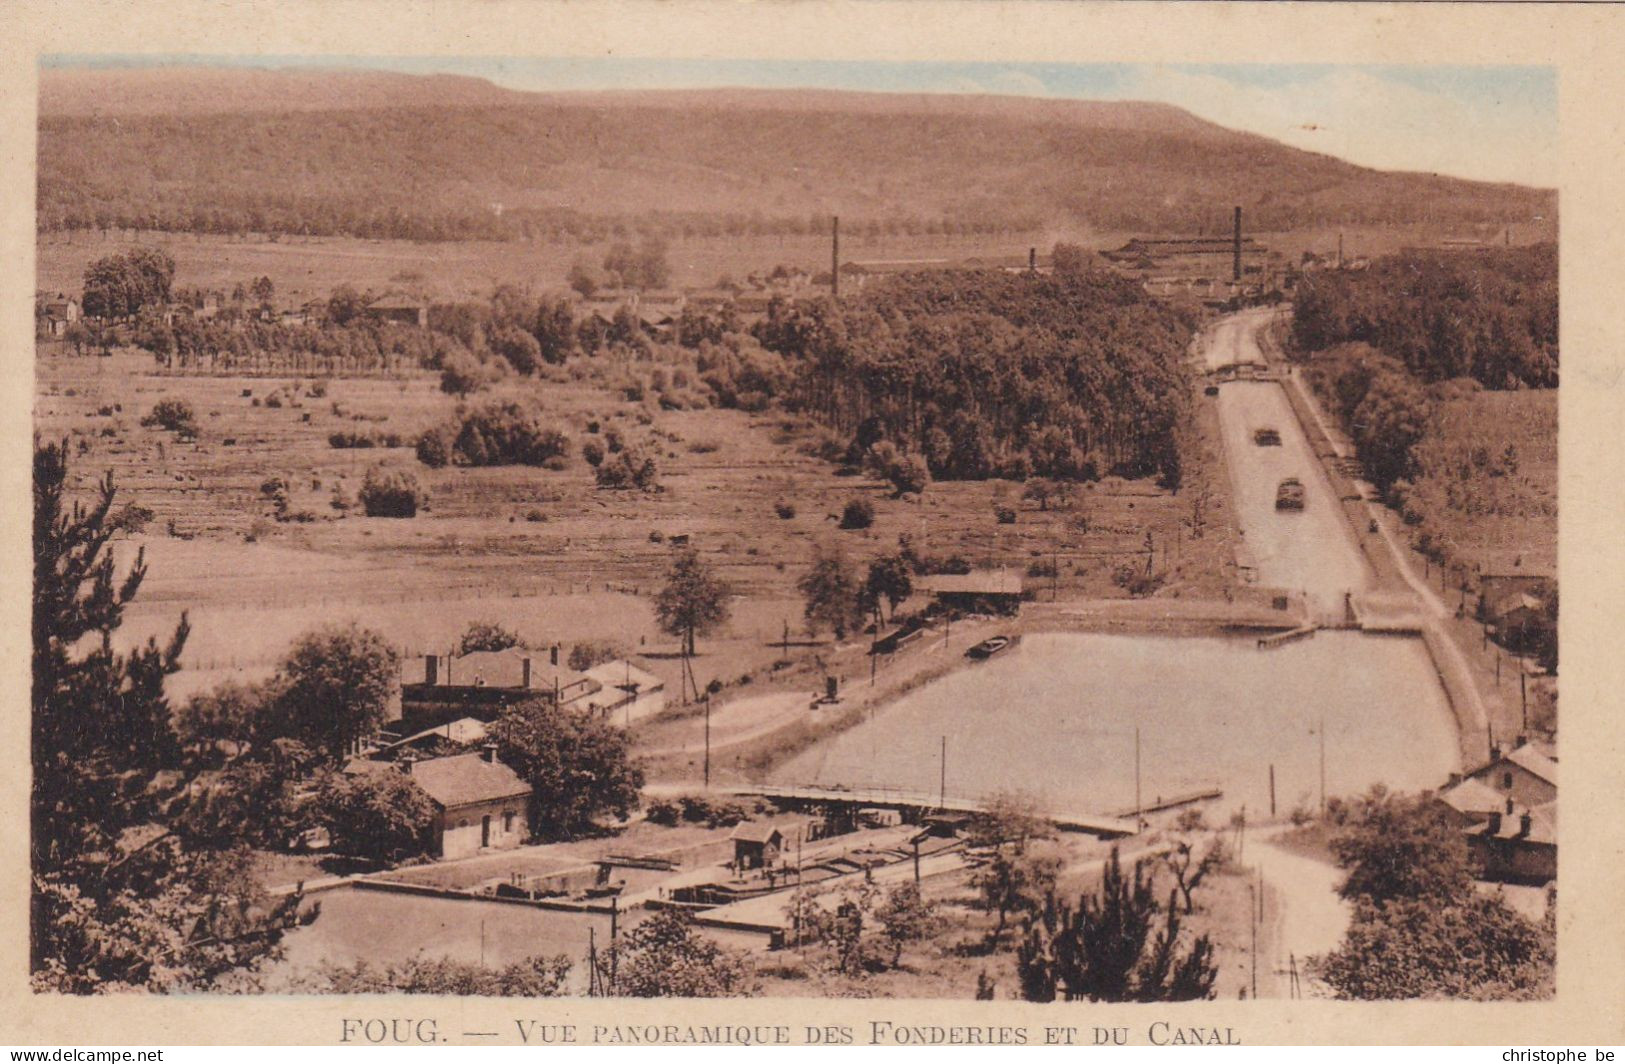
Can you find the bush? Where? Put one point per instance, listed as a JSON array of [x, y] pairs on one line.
[[381, 815], [461, 374], [392, 493], [173, 415], [1005, 515], [593, 452], [629, 470], [433, 449], [662, 812], [859, 513], [589, 652], [785, 510], [510, 432]]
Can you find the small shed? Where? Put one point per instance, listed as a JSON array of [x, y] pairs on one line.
[[756, 845], [399, 310], [988, 592]]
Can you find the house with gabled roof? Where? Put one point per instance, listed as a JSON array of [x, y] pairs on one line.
[[480, 802]]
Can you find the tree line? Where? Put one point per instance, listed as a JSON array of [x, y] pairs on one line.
[[1490, 315], [988, 373]]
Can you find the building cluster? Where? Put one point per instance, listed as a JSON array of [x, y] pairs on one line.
[[438, 735], [1507, 810]]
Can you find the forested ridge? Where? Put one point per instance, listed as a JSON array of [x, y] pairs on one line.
[[606, 166]]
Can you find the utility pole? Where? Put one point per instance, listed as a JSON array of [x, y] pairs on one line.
[[1523, 699], [785, 652], [916, 861], [1138, 805], [708, 741], [1253, 907], [835, 257], [942, 793], [1323, 764], [1272, 791]]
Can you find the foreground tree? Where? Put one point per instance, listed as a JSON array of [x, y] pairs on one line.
[[693, 602], [122, 896], [380, 815], [1105, 950], [666, 957], [338, 682], [579, 767], [1420, 929], [533, 977]]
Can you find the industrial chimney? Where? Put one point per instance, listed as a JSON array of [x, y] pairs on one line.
[[835, 257], [1236, 246]]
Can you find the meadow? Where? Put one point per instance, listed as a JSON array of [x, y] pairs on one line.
[[545, 552]]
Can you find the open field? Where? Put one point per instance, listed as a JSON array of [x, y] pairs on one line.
[[305, 268], [544, 552], [309, 268], [1487, 491]]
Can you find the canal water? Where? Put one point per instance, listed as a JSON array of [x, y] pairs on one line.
[[1056, 716]]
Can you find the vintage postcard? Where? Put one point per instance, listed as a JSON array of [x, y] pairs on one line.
[[546, 524]]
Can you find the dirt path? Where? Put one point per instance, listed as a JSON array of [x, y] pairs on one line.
[[1311, 919], [740, 721]]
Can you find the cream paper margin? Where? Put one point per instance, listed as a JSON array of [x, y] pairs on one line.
[[1584, 43]]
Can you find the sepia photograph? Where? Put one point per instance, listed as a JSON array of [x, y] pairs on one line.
[[608, 527]]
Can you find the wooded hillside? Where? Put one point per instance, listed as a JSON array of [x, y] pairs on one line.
[[389, 158]]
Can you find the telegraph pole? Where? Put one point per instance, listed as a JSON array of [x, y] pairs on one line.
[[1272, 791], [1323, 764], [942, 799], [708, 740], [1139, 807]]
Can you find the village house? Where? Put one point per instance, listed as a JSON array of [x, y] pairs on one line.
[[399, 310], [626, 693], [1516, 844], [462, 732], [1526, 774], [438, 688], [1507, 810], [60, 313], [756, 846], [480, 803]]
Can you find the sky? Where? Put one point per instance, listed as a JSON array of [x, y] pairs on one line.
[[1493, 123]]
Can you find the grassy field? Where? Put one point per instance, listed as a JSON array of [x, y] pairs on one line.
[[309, 268], [544, 552], [1487, 491], [305, 268]]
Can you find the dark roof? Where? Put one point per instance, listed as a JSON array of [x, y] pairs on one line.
[[1000, 583], [749, 831], [396, 303], [464, 779]]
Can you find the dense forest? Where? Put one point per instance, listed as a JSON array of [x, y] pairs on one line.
[[591, 168], [996, 374], [1490, 315]]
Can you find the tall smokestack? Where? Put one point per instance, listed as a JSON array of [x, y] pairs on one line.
[[1236, 246], [835, 257]]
